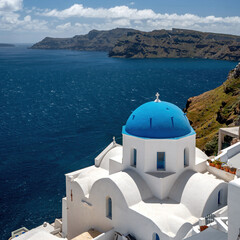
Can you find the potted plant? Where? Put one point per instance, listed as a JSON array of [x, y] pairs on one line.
[[209, 162], [202, 228], [232, 170], [212, 164], [226, 168], [218, 164]]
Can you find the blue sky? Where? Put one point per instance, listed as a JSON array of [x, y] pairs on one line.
[[28, 21]]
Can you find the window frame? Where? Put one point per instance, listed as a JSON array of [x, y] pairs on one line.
[[134, 157], [161, 162], [186, 157]]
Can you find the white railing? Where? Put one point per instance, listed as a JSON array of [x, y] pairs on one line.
[[228, 152]]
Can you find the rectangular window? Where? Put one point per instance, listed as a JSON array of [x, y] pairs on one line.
[[134, 158], [186, 157], [160, 160]]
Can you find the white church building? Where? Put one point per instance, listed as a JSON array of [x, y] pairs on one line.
[[153, 186]]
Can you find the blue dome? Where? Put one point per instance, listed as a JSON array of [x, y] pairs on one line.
[[158, 120]]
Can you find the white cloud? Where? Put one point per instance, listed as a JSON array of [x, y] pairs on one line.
[[78, 10], [13, 22], [27, 18], [10, 5], [10, 19], [122, 22], [63, 27], [147, 19], [79, 19]]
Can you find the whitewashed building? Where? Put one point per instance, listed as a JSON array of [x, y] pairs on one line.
[[154, 186]]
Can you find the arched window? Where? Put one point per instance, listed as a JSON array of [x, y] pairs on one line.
[[109, 207], [219, 197], [134, 157], [155, 237], [186, 157]]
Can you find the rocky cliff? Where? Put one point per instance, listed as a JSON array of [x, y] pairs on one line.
[[130, 43], [93, 41], [214, 109], [177, 43]]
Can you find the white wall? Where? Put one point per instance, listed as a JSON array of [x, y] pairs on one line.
[[115, 151], [226, 176], [64, 217], [233, 209], [199, 193], [124, 219], [129, 143], [147, 159], [88, 207], [125, 189], [106, 236], [147, 152]]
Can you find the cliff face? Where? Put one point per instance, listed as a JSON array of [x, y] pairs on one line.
[[214, 109], [130, 43], [177, 43], [93, 41]]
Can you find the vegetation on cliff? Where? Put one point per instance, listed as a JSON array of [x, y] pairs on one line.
[[215, 109]]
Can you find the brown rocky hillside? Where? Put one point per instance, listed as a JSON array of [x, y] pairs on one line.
[[177, 43], [131, 43], [93, 41], [215, 109]]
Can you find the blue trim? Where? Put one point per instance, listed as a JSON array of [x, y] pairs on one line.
[[175, 138]]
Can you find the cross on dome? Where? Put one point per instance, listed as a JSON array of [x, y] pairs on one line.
[[157, 97], [114, 140]]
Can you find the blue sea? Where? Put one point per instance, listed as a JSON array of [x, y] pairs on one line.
[[60, 108]]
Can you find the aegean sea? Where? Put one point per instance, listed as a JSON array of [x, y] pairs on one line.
[[60, 108]]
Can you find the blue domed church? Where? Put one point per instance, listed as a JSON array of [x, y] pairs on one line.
[[153, 186], [159, 142]]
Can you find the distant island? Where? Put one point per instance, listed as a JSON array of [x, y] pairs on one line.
[[6, 45], [130, 43], [93, 41]]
